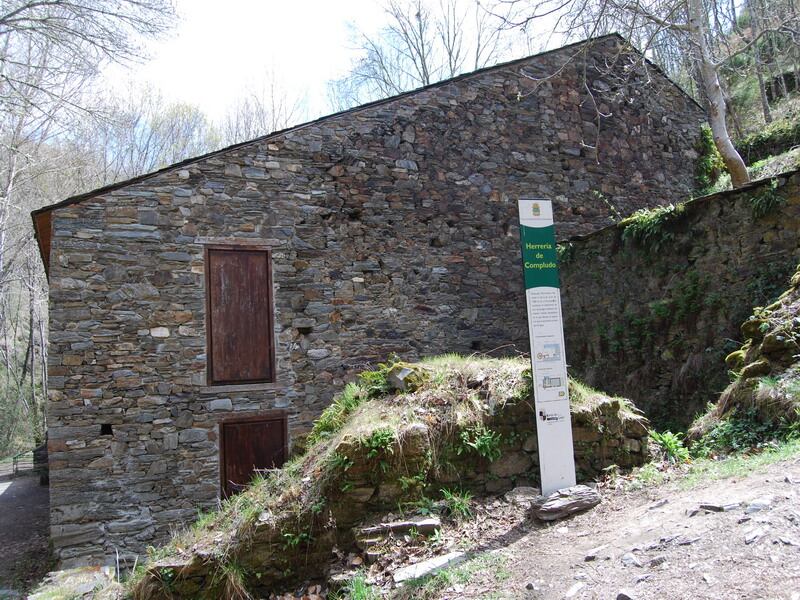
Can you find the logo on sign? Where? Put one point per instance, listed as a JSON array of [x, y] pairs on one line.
[[536, 209], [550, 417]]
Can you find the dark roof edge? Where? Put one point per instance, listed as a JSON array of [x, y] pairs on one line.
[[133, 180], [700, 200]]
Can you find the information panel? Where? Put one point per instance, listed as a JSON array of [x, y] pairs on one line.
[[546, 331]]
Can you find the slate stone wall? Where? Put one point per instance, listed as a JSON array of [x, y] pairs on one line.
[[655, 325], [393, 229]]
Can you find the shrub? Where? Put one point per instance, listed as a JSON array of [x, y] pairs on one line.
[[767, 200], [648, 227], [380, 442], [376, 382], [671, 445], [709, 164], [775, 138], [483, 441], [457, 503], [564, 252], [741, 431]]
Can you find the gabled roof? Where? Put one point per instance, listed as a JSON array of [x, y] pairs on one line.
[[42, 217]]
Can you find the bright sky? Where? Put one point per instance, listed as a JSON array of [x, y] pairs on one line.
[[220, 49]]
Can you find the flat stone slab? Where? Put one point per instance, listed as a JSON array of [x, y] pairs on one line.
[[759, 504], [564, 503], [427, 567], [721, 507]]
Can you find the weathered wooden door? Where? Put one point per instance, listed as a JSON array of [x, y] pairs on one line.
[[239, 308], [250, 444]]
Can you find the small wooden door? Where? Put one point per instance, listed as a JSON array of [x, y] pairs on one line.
[[249, 444]]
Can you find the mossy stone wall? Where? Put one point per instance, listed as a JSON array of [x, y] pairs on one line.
[[654, 320]]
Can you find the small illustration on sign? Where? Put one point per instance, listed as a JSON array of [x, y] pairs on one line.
[[551, 382], [550, 353]]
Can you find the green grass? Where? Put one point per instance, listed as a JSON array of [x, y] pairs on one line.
[[358, 589], [648, 475], [703, 470], [737, 465], [361, 427], [335, 416], [585, 398], [449, 360], [458, 503]]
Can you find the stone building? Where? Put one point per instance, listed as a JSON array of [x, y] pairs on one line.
[[203, 315]]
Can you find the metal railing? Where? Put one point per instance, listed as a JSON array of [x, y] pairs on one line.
[[14, 465], [22, 461]]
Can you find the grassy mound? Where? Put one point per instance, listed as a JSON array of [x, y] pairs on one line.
[[391, 439], [763, 401]]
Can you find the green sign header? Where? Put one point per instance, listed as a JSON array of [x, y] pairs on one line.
[[539, 256]]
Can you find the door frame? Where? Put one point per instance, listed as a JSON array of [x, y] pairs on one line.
[[276, 414]]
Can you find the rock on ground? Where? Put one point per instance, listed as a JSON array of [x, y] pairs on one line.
[[564, 503]]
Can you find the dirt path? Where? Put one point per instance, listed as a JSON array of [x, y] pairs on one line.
[[656, 544], [24, 524]]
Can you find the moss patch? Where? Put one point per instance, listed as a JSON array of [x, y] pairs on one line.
[[766, 388]]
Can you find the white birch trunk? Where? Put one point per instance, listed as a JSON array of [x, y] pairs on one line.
[[716, 99]]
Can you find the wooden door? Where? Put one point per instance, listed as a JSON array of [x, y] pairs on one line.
[[249, 444]]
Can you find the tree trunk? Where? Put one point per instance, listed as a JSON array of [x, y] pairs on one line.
[[755, 24], [713, 91], [43, 356], [734, 116]]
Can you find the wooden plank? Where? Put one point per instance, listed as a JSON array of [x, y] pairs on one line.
[[44, 234], [240, 335]]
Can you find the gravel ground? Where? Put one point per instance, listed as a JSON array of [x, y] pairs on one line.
[[24, 533], [659, 543]]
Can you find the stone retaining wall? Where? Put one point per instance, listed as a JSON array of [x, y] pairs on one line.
[[374, 485], [655, 325]]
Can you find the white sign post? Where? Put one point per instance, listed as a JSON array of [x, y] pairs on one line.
[[546, 330]]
